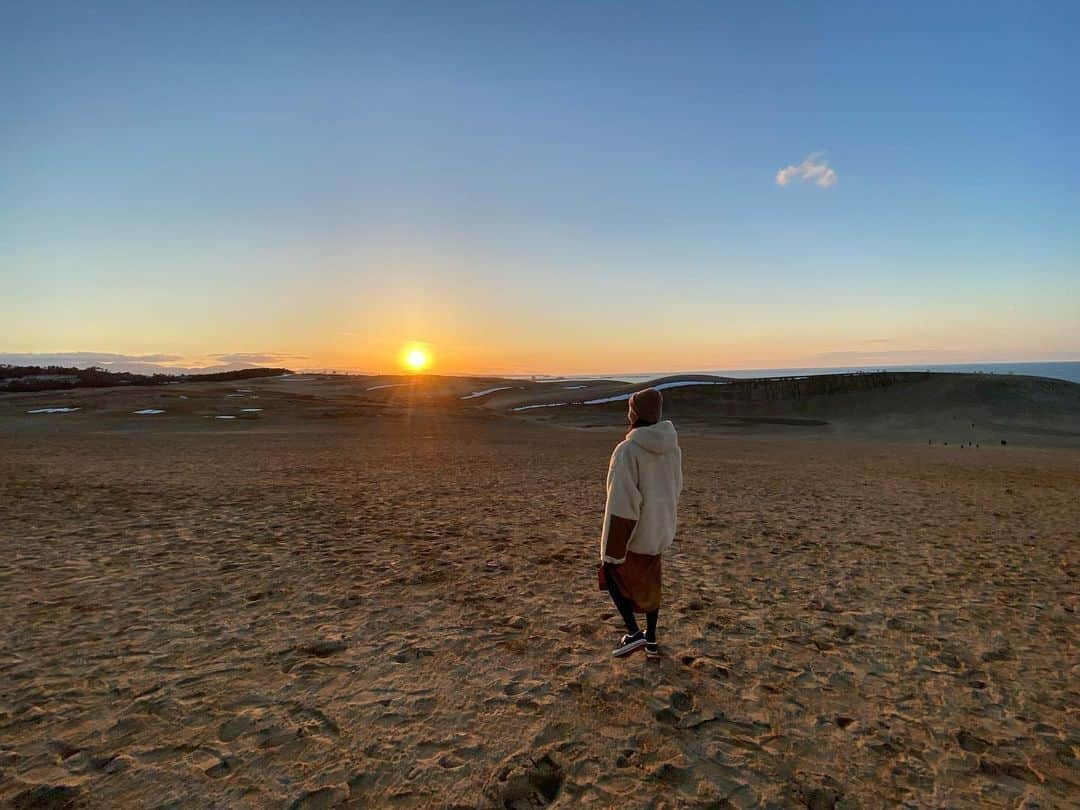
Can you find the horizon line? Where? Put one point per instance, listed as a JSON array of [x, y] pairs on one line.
[[669, 373]]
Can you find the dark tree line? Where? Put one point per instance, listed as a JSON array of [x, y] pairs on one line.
[[48, 378], [766, 390]]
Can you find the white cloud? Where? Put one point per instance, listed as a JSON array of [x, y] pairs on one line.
[[257, 357], [812, 169]]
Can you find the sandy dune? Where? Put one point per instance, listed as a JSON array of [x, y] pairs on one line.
[[894, 406], [369, 600]]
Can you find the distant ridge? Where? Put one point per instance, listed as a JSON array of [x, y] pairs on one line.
[[52, 378], [1068, 370], [936, 406]]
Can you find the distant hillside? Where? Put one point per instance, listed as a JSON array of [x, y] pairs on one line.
[[873, 395], [50, 378], [931, 405]]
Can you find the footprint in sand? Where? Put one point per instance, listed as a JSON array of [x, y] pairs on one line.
[[321, 799], [237, 727], [526, 782], [224, 767]]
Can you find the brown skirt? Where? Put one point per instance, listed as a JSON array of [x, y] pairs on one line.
[[639, 580]]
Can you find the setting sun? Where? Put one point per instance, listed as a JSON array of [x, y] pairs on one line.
[[415, 358]]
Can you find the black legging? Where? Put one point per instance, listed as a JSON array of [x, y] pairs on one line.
[[626, 608]]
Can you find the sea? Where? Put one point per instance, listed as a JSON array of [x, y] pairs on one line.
[[1058, 371]]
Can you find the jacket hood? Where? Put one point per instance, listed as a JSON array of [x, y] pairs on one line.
[[658, 438]]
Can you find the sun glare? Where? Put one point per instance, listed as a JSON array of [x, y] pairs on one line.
[[415, 358]]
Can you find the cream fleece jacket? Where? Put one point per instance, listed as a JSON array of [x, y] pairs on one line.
[[643, 484]]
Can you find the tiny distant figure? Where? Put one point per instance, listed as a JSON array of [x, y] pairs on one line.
[[643, 484]]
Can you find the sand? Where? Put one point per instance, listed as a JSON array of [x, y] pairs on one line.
[[337, 603]]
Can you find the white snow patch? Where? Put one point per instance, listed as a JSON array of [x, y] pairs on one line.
[[660, 387], [602, 400], [543, 405], [224, 417], [387, 385], [486, 391], [148, 411], [53, 410], [684, 383], [250, 410], [574, 387]]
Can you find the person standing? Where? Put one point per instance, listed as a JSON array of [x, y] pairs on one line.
[[644, 481]]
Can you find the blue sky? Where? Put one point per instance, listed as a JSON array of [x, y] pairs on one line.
[[524, 187]]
